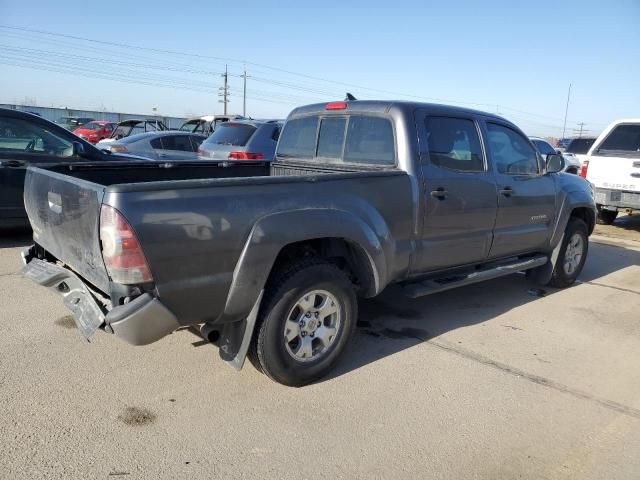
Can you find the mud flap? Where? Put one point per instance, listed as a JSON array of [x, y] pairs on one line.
[[236, 337], [542, 275]]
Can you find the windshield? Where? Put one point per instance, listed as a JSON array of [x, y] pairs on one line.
[[236, 134], [580, 145], [190, 126]]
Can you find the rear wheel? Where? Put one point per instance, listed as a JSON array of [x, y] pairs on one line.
[[573, 254], [606, 217], [305, 322]]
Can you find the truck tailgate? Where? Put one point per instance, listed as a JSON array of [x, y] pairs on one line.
[[65, 213], [615, 173]]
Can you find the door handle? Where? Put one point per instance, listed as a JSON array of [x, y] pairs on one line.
[[507, 192], [13, 163], [440, 193]]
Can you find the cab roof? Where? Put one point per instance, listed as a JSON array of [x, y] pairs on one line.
[[384, 106]]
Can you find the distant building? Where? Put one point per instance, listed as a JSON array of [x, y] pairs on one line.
[[52, 114]]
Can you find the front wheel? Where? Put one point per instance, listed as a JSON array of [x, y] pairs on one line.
[[573, 254], [305, 322]]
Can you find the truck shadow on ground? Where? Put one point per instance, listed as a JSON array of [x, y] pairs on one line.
[[391, 322], [628, 222]]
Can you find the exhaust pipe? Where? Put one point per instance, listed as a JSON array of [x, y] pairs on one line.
[[209, 333]]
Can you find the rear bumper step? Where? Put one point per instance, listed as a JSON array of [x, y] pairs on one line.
[[139, 322], [435, 285]]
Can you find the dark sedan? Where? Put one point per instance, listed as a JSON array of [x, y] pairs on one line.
[[26, 139]]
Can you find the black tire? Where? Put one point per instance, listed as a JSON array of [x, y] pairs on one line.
[[560, 278], [268, 351], [606, 217]]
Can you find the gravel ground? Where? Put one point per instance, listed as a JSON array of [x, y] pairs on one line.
[[484, 382]]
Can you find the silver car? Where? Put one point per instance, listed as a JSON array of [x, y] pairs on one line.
[[242, 140], [571, 163], [167, 145]]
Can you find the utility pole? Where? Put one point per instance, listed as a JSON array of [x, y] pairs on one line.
[[581, 125], [566, 110], [244, 93], [224, 91]]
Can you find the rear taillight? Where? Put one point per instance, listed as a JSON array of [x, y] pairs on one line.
[[121, 250], [245, 156], [118, 149], [583, 169]]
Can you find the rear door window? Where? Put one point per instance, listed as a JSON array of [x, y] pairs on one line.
[[331, 137], [298, 138], [454, 144], [196, 141], [370, 140], [236, 134], [156, 144], [180, 143]]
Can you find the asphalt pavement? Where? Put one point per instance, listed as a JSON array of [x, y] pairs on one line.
[[491, 381]]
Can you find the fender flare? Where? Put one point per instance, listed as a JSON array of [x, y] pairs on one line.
[[571, 201], [272, 233]]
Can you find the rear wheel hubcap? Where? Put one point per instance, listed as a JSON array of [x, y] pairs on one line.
[[312, 325]]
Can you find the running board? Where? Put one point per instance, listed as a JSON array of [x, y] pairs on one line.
[[435, 285]]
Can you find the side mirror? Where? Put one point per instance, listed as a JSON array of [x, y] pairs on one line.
[[555, 163], [78, 149]]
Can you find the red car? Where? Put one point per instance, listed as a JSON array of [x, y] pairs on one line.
[[95, 131]]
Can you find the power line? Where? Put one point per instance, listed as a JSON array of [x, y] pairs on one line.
[[131, 80], [173, 52], [16, 30]]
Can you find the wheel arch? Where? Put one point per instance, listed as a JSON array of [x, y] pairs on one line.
[[341, 236], [578, 204]]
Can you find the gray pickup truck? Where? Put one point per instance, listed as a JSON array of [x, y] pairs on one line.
[[269, 260]]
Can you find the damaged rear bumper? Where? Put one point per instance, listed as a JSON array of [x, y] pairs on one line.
[[141, 321]]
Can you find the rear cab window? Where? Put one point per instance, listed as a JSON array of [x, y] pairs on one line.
[[580, 145], [349, 139], [231, 133], [623, 140]]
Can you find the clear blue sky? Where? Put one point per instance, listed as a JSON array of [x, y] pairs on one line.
[[492, 55]]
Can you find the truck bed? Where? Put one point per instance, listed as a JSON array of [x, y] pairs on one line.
[[193, 220], [118, 173]]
